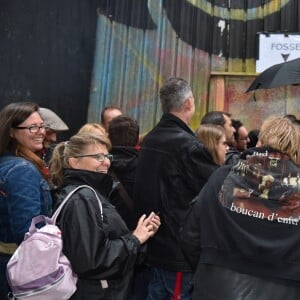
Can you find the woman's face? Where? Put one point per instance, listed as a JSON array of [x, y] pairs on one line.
[[95, 159], [222, 148], [30, 140]]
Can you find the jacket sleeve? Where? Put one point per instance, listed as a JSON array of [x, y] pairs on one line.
[[194, 229], [198, 166], [24, 198], [95, 249], [190, 236]]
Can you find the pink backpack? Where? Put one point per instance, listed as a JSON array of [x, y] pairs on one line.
[[39, 270]]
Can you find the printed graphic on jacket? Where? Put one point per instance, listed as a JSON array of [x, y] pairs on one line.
[[265, 186]]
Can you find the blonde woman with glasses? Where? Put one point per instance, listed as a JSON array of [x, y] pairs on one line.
[[102, 251]]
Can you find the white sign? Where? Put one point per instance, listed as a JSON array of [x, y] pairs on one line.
[[276, 48]]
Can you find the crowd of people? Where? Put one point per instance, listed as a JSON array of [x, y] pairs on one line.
[[205, 214]]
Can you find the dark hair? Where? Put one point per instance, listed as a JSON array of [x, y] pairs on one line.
[[173, 94], [253, 137], [109, 107], [236, 124], [11, 116], [123, 131], [215, 117], [291, 117]]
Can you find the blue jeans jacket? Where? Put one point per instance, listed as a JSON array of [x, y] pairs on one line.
[[24, 193]]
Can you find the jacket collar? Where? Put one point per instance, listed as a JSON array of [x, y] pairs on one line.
[[170, 118], [99, 181]]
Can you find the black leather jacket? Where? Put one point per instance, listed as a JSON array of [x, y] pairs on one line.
[[172, 168], [98, 250]]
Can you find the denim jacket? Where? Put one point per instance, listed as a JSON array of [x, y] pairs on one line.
[[24, 193]]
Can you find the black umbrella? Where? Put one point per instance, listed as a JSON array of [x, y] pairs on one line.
[[286, 73]]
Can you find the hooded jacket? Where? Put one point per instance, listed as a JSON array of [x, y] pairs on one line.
[[244, 225], [232, 156], [122, 169], [124, 165], [172, 168], [102, 253]]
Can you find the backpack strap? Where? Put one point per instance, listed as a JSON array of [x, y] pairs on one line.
[[58, 210]]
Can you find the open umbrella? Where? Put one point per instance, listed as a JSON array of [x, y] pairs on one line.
[[286, 73]]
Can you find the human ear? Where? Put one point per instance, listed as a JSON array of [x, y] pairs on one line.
[[73, 162], [12, 133], [188, 103], [259, 143]]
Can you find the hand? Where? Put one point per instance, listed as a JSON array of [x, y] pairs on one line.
[[146, 227], [154, 220]]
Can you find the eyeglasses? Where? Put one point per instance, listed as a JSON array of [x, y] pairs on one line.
[[244, 138], [33, 128], [99, 156]]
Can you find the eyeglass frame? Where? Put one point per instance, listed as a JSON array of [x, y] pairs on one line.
[[97, 156], [39, 127]]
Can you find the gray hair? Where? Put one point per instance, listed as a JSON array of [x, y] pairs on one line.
[[173, 94]]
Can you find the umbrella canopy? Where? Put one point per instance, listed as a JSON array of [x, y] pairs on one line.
[[286, 73]]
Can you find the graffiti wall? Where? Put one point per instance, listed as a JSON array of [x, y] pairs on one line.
[[76, 57], [212, 44]]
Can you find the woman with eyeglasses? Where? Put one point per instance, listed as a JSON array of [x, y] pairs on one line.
[[102, 252], [24, 192]]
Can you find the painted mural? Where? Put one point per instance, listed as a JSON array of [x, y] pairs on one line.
[[212, 44]]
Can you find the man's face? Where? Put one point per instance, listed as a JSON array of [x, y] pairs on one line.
[[188, 108], [229, 130], [241, 143], [50, 138], [192, 107], [109, 115]]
